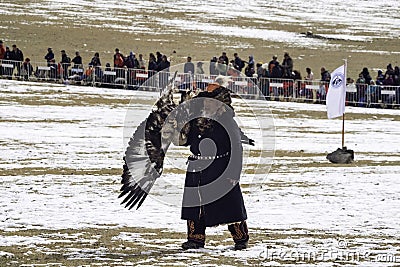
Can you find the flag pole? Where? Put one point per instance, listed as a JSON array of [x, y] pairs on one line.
[[343, 132], [345, 80]]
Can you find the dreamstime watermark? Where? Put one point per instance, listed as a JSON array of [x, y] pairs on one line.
[[341, 253]]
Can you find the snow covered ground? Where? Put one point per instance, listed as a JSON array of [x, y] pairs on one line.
[[61, 155]]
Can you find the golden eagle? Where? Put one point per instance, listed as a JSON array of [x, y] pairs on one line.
[[144, 156]]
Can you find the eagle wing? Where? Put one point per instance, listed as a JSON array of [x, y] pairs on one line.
[[144, 156]]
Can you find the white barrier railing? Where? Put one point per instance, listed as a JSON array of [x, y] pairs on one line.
[[271, 89]]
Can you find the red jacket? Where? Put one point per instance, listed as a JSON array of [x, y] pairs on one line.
[[2, 52]]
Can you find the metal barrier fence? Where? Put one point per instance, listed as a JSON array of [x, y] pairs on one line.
[[315, 91]]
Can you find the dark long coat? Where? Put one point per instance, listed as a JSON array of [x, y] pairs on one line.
[[212, 186]]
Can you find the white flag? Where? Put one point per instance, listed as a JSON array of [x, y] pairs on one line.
[[336, 97]]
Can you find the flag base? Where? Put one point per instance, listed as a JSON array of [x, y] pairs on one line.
[[341, 155]]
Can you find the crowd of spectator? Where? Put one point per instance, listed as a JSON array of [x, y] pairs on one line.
[[74, 67]]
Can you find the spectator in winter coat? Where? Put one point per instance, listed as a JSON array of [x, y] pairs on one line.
[[158, 57], [213, 66], [249, 70], [7, 59], [18, 57], [49, 56], [118, 59], [271, 64], [221, 67], [276, 71], [277, 74], [189, 66], [2, 54], [65, 63], [287, 66], [152, 67], [396, 76], [310, 75], [238, 63], [142, 62], [389, 70], [2, 50], [77, 60], [164, 65], [27, 69], [325, 75], [131, 61], [95, 62], [225, 58], [366, 76]]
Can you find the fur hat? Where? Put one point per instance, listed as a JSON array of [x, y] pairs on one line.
[[219, 93]]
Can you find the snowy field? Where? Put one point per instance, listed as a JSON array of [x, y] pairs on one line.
[[350, 20], [61, 158]]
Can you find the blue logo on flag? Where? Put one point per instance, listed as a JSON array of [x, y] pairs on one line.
[[337, 80]]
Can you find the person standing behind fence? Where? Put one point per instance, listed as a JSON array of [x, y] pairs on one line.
[[78, 67], [221, 67], [189, 66], [2, 54], [27, 69], [213, 66], [142, 62], [271, 64], [163, 67], [77, 60], [250, 69], [199, 69], [65, 63], [396, 76], [379, 78], [131, 61], [96, 63], [287, 65], [164, 64], [389, 70], [49, 56], [361, 86], [7, 60], [367, 77], [325, 75], [119, 63], [310, 75], [238, 63], [276, 73], [18, 57], [2, 50], [225, 58], [158, 57], [308, 93], [152, 67]]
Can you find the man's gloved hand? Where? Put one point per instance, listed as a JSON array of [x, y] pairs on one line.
[[251, 142]]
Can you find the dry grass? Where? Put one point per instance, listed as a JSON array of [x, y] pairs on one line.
[[130, 246], [34, 34]]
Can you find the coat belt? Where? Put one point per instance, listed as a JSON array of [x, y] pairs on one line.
[[209, 157]]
